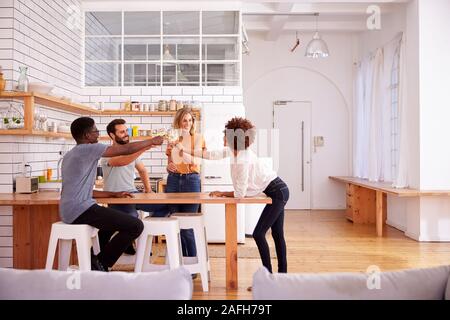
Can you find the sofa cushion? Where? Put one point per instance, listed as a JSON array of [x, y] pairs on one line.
[[447, 292], [73, 285], [427, 284]]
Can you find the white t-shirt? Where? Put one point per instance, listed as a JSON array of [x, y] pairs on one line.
[[117, 179], [250, 175]]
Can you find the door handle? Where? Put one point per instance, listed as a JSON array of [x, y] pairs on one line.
[[303, 156]]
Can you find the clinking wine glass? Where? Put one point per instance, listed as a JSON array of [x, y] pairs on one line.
[[173, 135]]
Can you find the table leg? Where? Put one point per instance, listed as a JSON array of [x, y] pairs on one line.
[[380, 212], [231, 246]]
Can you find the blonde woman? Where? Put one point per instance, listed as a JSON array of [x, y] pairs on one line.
[[184, 176]]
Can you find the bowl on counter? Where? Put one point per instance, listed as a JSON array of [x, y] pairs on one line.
[[40, 87]]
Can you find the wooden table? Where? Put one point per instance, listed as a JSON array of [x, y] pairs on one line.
[[366, 200], [33, 215]]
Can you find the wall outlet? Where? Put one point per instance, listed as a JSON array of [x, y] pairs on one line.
[[318, 141]]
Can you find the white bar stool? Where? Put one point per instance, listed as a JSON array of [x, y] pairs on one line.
[[169, 227], [200, 263], [85, 237]]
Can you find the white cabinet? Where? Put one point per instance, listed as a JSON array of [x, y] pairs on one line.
[[215, 217]]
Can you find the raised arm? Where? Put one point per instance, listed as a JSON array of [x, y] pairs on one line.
[[133, 147], [187, 155], [124, 160]]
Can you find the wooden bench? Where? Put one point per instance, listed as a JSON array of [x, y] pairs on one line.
[[366, 201]]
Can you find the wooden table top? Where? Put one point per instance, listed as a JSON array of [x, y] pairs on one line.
[[52, 197], [387, 187]]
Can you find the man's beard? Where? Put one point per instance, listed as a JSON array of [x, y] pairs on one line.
[[121, 141]]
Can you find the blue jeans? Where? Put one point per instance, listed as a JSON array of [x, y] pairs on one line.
[[184, 183], [155, 210]]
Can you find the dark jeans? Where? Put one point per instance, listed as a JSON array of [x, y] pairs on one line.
[[184, 183], [273, 217], [108, 221], [155, 210]]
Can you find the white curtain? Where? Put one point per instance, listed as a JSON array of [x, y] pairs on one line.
[[368, 135], [401, 179], [373, 114]]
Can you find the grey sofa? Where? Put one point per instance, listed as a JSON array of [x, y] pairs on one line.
[[95, 285], [412, 284]]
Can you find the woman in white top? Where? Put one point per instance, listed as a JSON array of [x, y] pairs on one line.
[[252, 177]]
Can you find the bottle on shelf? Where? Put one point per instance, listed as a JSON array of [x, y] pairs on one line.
[[23, 79], [2, 81]]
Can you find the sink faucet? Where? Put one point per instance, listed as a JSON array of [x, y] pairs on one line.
[[58, 168]]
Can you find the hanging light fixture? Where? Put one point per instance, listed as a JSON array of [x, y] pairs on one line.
[[180, 76], [167, 55], [317, 48]]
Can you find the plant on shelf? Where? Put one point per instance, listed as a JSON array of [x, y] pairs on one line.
[[13, 118]]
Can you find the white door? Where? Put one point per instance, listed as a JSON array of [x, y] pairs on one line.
[[293, 120]]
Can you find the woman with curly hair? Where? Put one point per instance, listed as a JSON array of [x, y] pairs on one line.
[[252, 177]]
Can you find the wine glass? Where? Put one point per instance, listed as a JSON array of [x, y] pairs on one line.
[[43, 120], [37, 118], [173, 135]]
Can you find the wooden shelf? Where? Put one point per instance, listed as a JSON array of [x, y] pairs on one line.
[[14, 132], [52, 134], [24, 132], [52, 102], [106, 138], [144, 113], [30, 98]]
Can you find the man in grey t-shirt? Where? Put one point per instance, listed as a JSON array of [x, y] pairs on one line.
[[77, 205], [118, 176], [118, 172]]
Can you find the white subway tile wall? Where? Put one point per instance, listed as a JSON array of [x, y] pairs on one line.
[[45, 36]]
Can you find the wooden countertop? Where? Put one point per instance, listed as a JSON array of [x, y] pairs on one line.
[[387, 188], [51, 198]]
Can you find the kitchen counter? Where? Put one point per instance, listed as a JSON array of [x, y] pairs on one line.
[[34, 214]]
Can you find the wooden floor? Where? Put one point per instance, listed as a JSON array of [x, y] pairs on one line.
[[324, 241]]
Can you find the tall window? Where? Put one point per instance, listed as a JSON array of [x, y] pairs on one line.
[[162, 48], [395, 125]]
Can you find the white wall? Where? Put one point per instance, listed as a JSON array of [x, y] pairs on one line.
[[413, 92], [271, 72], [434, 47], [37, 34]]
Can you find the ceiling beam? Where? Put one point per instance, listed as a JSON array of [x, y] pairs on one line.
[[327, 26], [321, 8], [276, 24]]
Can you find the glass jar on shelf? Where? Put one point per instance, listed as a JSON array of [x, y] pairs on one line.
[[162, 105]]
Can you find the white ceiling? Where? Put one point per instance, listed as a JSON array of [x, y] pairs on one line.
[[261, 15]]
